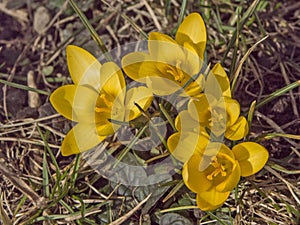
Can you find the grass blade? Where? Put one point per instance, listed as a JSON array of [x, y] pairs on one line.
[[3, 215], [92, 31], [243, 20], [237, 71], [181, 15], [45, 175], [251, 113], [132, 23], [23, 87], [277, 93]]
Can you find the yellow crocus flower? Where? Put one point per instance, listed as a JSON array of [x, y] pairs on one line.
[[97, 98], [214, 173], [170, 62], [220, 115]]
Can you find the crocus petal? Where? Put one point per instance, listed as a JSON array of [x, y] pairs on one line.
[[232, 110], [74, 102], [232, 179], [238, 130], [193, 178], [199, 109], [112, 80], [105, 128], [162, 86], [84, 67], [191, 66], [84, 103], [222, 78], [139, 95], [192, 30], [183, 145], [211, 199], [251, 156], [138, 65], [185, 123], [62, 99], [80, 138], [164, 49]]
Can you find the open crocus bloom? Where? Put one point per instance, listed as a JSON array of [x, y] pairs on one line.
[[220, 115], [96, 99], [214, 173], [170, 63]]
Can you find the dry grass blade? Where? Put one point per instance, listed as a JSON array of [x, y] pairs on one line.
[[238, 70], [29, 121], [286, 79], [132, 23], [277, 129], [22, 186], [3, 215], [130, 213], [291, 187]]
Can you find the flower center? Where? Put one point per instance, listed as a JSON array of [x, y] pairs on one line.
[[176, 71], [105, 105], [217, 118], [219, 169]]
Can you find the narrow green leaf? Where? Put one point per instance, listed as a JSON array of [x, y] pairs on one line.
[[130, 145], [45, 175], [23, 87], [243, 20], [92, 31], [282, 169], [20, 204], [251, 113], [274, 135], [174, 190], [181, 15], [277, 93], [75, 171], [168, 117]]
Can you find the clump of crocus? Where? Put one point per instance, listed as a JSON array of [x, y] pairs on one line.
[[97, 98], [214, 172], [99, 101]]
